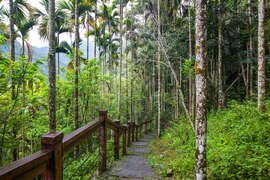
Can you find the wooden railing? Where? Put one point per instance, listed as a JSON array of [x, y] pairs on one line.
[[49, 161]]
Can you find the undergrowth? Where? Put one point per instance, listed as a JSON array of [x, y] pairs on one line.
[[238, 145]]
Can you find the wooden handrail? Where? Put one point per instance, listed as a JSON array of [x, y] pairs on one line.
[[20, 168], [49, 161], [77, 136]]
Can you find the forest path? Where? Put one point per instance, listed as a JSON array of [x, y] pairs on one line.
[[135, 165]]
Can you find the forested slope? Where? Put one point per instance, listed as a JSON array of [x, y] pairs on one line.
[[238, 145]]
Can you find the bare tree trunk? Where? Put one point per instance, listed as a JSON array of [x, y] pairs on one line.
[[220, 58], [131, 89], [77, 67], [250, 47], [52, 67], [200, 69], [87, 42], [95, 43], [23, 46], [121, 61], [58, 56], [261, 57], [190, 58], [12, 34], [159, 73], [127, 91]]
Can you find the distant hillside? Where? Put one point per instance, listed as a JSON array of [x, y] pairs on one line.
[[42, 53]]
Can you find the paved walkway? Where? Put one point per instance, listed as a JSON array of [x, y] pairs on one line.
[[134, 166]]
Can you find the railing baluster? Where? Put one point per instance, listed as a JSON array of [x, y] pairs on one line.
[[53, 141], [102, 142], [129, 134], [116, 133], [125, 140], [137, 131], [145, 128], [133, 131]]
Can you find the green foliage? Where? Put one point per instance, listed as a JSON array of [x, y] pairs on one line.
[[238, 145], [2, 39], [188, 67]]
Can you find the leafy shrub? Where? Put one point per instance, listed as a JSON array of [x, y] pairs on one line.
[[238, 145]]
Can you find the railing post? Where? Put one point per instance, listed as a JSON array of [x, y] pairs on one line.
[[137, 131], [129, 134], [53, 142], [140, 130], [145, 126], [133, 131], [125, 140], [116, 140], [102, 141]]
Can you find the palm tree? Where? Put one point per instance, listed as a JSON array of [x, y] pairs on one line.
[[24, 27], [121, 59], [84, 12], [77, 66], [12, 34], [52, 67], [110, 18], [12, 37], [88, 21], [1, 14]]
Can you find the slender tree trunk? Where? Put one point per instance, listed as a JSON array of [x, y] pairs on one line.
[[87, 42], [159, 72], [95, 43], [58, 56], [192, 81], [154, 88], [200, 69], [23, 46], [127, 80], [220, 57], [12, 34], [77, 67], [131, 89], [52, 67], [261, 56], [250, 47], [190, 58], [121, 61]]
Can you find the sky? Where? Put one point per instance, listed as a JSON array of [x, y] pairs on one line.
[[34, 38]]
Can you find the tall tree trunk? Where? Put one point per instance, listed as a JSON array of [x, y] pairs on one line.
[[200, 69], [77, 67], [52, 67], [23, 46], [58, 56], [127, 92], [12, 34], [190, 58], [261, 57], [121, 60], [95, 43], [220, 57], [131, 89], [87, 42], [159, 72], [250, 47]]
